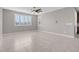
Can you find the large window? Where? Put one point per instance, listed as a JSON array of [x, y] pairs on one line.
[[23, 20]]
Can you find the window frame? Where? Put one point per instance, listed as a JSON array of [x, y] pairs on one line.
[[20, 20]]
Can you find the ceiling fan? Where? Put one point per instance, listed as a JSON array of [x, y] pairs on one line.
[[36, 10]]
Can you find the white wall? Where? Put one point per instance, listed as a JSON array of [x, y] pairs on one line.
[[60, 21], [65, 18], [9, 22], [1, 13]]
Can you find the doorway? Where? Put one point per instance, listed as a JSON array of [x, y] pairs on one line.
[[77, 22]]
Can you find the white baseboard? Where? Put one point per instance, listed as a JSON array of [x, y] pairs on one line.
[[58, 34]]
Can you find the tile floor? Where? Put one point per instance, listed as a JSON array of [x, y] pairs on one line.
[[31, 41]]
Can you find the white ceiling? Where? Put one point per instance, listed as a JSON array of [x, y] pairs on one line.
[[28, 9]]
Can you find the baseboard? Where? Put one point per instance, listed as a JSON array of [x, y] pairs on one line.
[[58, 34]]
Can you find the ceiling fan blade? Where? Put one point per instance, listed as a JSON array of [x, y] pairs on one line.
[[38, 10]]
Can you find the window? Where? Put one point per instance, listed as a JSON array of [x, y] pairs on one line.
[[23, 20]]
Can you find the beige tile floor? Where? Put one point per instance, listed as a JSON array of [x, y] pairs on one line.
[[31, 41]]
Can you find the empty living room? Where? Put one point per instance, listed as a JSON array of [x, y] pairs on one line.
[[39, 29]]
